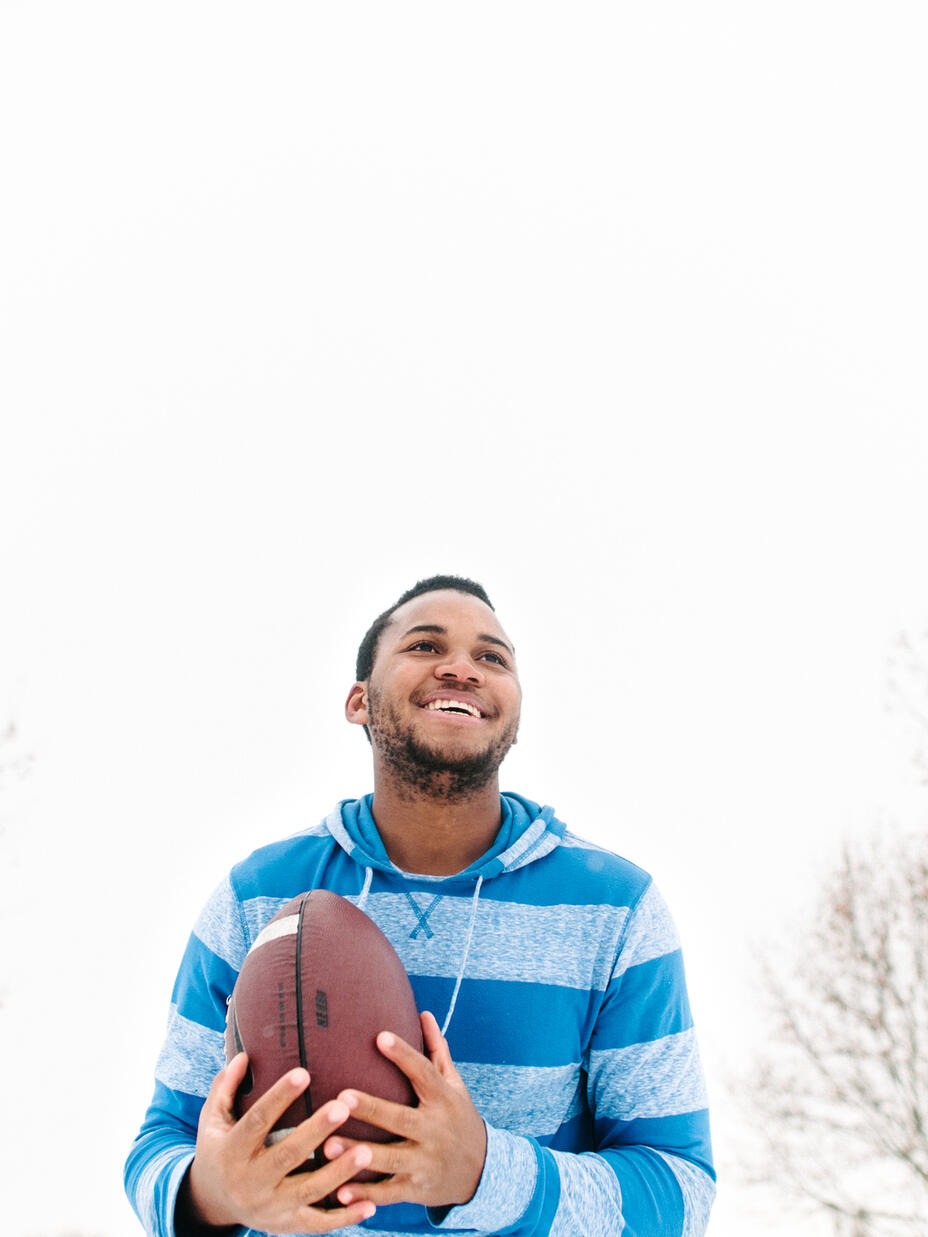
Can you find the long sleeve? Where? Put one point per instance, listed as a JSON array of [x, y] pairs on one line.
[[193, 1053], [651, 1172]]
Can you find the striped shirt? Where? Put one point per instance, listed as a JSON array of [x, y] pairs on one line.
[[571, 1025]]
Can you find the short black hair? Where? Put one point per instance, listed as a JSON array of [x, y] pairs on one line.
[[367, 650]]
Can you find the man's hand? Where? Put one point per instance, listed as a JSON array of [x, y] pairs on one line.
[[236, 1179], [439, 1158]]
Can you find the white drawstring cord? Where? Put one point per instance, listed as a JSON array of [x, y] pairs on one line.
[[470, 937], [365, 888]]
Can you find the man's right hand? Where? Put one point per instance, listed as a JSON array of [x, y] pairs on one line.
[[235, 1179]]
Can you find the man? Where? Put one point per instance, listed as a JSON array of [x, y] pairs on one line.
[[563, 1093]]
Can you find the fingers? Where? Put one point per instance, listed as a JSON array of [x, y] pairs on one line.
[[260, 1119], [396, 1119], [310, 1188], [418, 1069], [436, 1045], [292, 1152], [376, 1193]]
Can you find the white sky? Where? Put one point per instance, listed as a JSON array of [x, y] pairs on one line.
[[619, 309]]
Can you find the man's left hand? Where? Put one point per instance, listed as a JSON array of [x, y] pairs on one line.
[[438, 1158]]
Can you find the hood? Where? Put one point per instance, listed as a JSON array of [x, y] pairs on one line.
[[527, 832]]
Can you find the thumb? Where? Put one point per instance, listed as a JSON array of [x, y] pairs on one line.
[[221, 1098]]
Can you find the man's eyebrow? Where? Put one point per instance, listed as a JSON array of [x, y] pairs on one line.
[[486, 638]]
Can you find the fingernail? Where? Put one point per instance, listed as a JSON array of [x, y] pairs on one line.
[[386, 1039], [345, 1196], [337, 1113], [299, 1077], [368, 1211], [363, 1156], [349, 1099], [334, 1149]]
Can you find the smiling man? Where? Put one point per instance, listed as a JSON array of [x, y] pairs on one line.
[[563, 1093]]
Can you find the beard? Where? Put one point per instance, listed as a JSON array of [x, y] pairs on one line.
[[437, 772]]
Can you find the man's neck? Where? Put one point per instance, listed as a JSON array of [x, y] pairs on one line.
[[431, 835]]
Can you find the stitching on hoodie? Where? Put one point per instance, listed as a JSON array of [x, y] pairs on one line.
[[521, 860], [422, 916]]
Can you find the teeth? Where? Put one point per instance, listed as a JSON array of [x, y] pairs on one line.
[[454, 704]]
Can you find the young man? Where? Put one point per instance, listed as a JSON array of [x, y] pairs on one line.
[[563, 1094]]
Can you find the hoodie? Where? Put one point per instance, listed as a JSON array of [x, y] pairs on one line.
[[555, 972]]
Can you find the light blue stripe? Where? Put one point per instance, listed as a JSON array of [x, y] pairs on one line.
[[172, 1161], [530, 839], [257, 913], [191, 1057], [698, 1190], [651, 933], [334, 825], [569, 946], [658, 1079], [524, 1099], [219, 926], [509, 1175], [591, 1201]]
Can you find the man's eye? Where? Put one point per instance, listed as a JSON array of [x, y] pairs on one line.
[[495, 657], [422, 645]]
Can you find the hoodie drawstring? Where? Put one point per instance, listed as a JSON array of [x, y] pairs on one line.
[[362, 898], [470, 937], [365, 888]]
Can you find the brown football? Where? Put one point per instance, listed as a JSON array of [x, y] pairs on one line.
[[317, 986]]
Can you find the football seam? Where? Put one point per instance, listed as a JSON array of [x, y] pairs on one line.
[[301, 1042]]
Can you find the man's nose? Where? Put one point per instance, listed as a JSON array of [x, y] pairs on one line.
[[460, 667]]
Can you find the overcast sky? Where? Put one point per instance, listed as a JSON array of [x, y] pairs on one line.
[[618, 309]]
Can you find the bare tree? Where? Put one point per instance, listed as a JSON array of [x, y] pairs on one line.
[[841, 1099]]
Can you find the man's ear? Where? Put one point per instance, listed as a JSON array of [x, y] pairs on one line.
[[356, 709]]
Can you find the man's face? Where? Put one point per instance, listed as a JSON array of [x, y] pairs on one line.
[[444, 697]]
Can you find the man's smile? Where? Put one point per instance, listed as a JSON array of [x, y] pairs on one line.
[[453, 704]]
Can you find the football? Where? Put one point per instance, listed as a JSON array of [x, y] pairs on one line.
[[317, 986]]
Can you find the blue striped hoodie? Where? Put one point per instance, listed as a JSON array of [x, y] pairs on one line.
[[556, 971]]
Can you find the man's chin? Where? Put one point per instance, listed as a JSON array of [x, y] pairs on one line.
[[445, 771]]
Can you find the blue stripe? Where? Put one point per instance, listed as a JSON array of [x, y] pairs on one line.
[[574, 1135], [284, 869], [572, 877], [510, 1024], [202, 982], [648, 1002], [685, 1135], [180, 1105], [650, 1190], [575, 874]]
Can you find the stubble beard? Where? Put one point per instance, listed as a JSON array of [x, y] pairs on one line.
[[433, 772]]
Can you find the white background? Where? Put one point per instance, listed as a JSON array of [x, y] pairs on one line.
[[618, 309]]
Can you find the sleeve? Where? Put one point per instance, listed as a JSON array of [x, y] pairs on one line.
[[193, 1053], [650, 1173]]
